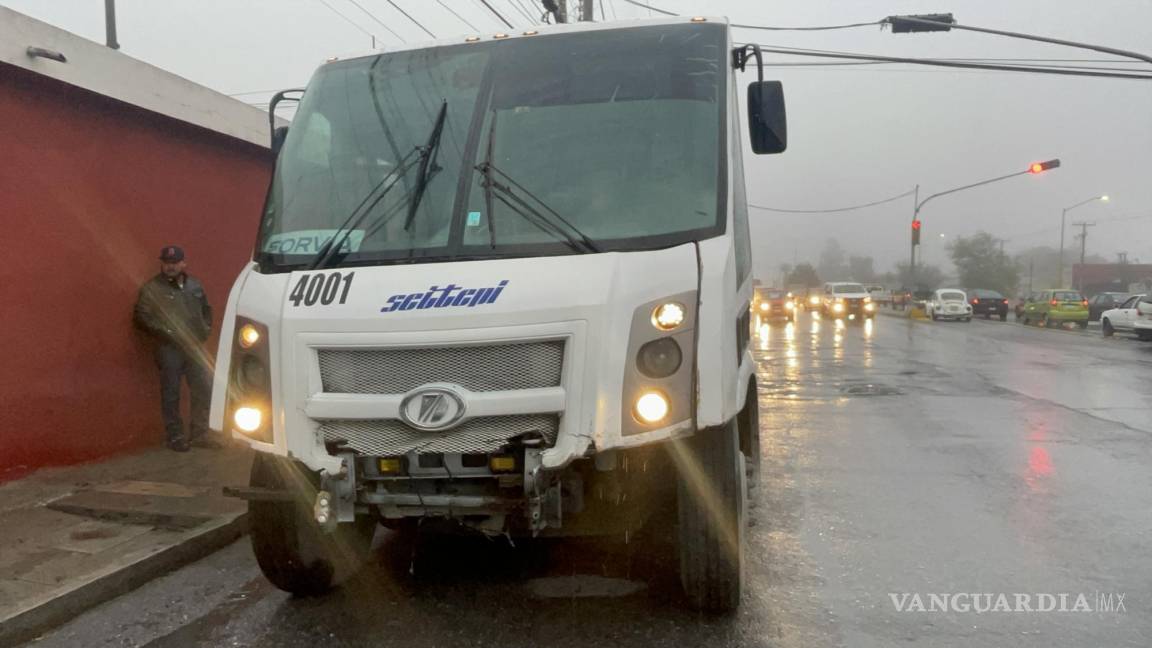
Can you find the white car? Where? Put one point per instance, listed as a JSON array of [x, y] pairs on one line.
[[1133, 316], [847, 299], [949, 303]]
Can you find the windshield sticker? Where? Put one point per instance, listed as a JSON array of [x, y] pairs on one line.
[[473, 219], [311, 241], [444, 297]]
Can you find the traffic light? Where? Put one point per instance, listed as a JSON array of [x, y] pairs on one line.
[[916, 231], [1040, 167]]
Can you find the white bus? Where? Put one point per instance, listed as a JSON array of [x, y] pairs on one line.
[[503, 283]]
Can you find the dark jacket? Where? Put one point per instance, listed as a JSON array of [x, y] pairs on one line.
[[174, 313]]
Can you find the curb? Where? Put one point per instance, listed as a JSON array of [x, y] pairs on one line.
[[61, 607]]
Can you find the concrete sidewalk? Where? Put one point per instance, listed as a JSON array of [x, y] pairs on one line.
[[73, 537]]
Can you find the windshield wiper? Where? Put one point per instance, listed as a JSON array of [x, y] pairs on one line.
[[427, 165], [546, 220], [360, 212]]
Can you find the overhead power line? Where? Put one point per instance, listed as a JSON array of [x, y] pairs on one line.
[[767, 27], [409, 17], [378, 21], [836, 210], [814, 28], [519, 6], [951, 64], [346, 19], [462, 18], [498, 14]]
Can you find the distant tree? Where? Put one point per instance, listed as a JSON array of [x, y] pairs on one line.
[[928, 277], [802, 275], [981, 264], [861, 269], [832, 266]]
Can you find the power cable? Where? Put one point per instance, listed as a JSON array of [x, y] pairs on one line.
[[409, 17], [462, 19], [836, 210], [650, 8], [378, 21], [523, 12], [346, 19], [498, 14], [950, 64]]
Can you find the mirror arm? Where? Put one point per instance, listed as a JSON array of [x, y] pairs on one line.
[[275, 101], [740, 59]]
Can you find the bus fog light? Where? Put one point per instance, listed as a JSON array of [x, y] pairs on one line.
[[247, 419], [652, 407], [659, 358]]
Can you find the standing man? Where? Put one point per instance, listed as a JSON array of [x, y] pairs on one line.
[[173, 308]]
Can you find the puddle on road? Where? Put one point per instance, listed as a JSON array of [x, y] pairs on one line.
[[869, 389]]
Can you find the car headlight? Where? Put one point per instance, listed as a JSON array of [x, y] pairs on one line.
[[789, 305], [764, 306], [869, 306], [838, 307], [659, 358]]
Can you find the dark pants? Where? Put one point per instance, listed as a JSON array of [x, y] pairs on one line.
[[174, 362]]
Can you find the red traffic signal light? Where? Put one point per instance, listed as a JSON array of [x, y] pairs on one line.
[[916, 231], [916, 225], [1040, 167]]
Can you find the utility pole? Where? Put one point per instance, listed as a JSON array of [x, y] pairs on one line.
[[110, 24], [1083, 236], [586, 11]]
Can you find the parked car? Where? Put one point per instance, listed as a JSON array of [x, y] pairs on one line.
[[1123, 318], [1142, 327], [1055, 308], [988, 303], [949, 303], [773, 303], [1101, 302], [845, 299]]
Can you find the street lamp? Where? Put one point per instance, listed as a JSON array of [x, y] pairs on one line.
[[1063, 218]]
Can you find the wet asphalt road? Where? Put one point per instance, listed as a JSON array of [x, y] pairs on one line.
[[900, 458]]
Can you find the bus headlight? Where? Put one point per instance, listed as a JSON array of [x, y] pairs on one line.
[[652, 407], [250, 382], [248, 336], [668, 316], [247, 419]]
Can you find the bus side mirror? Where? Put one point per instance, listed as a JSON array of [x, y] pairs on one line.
[[767, 122], [279, 134]]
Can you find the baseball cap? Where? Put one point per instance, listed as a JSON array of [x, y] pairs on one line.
[[171, 254]]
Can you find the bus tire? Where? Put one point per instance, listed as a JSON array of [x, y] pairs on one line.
[[711, 498], [292, 551]]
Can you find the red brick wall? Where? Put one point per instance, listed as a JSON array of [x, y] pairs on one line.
[[90, 189]]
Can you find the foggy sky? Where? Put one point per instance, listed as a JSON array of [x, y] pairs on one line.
[[856, 133]]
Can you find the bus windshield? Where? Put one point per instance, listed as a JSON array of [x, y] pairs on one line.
[[612, 135]]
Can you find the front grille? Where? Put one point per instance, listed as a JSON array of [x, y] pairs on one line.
[[486, 368], [388, 437]]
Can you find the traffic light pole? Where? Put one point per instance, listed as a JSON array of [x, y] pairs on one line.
[[1034, 169], [912, 255]]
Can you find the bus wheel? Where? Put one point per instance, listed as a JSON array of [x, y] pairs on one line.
[[712, 500], [293, 552]]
